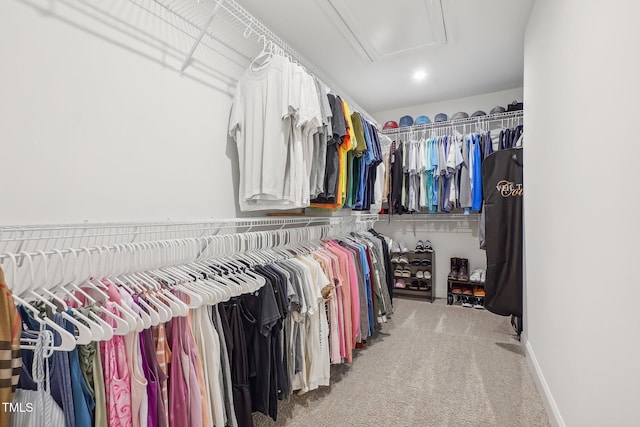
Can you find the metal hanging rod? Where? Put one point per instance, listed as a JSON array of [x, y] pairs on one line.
[[488, 119], [200, 14], [426, 217]]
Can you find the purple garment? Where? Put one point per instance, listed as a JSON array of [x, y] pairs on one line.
[[160, 377], [152, 381]]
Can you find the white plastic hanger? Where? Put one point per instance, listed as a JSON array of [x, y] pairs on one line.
[[122, 327], [84, 335], [67, 341], [93, 318]]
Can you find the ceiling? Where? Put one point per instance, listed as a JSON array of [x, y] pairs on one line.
[[372, 50]]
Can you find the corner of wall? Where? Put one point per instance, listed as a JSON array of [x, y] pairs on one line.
[[545, 392]]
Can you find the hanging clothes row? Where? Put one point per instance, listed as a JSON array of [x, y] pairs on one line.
[[207, 343], [441, 173], [293, 135]]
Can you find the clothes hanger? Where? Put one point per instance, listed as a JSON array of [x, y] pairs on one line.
[[212, 293], [264, 57], [156, 293], [84, 335], [185, 284], [128, 315], [122, 327], [103, 331], [177, 306], [67, 341]]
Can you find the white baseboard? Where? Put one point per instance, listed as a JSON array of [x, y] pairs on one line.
[[547, 398]]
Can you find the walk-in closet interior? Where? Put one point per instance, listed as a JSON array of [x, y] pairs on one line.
[[318, 213]]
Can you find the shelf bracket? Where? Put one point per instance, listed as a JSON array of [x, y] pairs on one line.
[[204, 30]]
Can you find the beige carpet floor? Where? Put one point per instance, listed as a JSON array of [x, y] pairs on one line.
[[432, 365]]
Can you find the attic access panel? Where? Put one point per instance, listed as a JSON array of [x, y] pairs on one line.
[[379, 28]]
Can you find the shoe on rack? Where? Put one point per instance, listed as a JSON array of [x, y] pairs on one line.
[[395, 247], [467, 290], [426, 274], [425, 262], [414, 284], [453, 274], [415, 261], [400, 284], [395, 258], [427, 246], [463, 269], [466, 302], [406, 273], [475, 275], [403, 247], [420, 274], [419, 247], [456, 289], [478, 291], [398, 272], [402, 259], [478, 304]]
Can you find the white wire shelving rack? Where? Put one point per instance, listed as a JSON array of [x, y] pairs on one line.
[[482, 122], [81, 249], [37, 240], [210, 41], [227, 23]]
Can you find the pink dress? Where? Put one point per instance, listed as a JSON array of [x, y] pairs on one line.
[[117, 381]]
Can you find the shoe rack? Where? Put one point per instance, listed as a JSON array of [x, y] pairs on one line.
[[410, 269], [466, 293]]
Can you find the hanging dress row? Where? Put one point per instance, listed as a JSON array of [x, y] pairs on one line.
[[205, 344]]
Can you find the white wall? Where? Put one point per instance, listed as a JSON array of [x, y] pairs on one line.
[[469, 105], [449, 239], [581, 91], [98, 126]]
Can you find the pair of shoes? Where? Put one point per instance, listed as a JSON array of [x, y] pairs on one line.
[[423, 246], [459, 269], [400, 284], [476, 274], [423, 274], [478, 291], [399, 247]]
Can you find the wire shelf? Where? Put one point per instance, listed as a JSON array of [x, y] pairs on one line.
[[510, 116], [47, 238]]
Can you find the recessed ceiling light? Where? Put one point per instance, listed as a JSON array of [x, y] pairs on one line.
[[419, 75]]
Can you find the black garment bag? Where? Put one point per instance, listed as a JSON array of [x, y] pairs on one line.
[[503, 188]]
